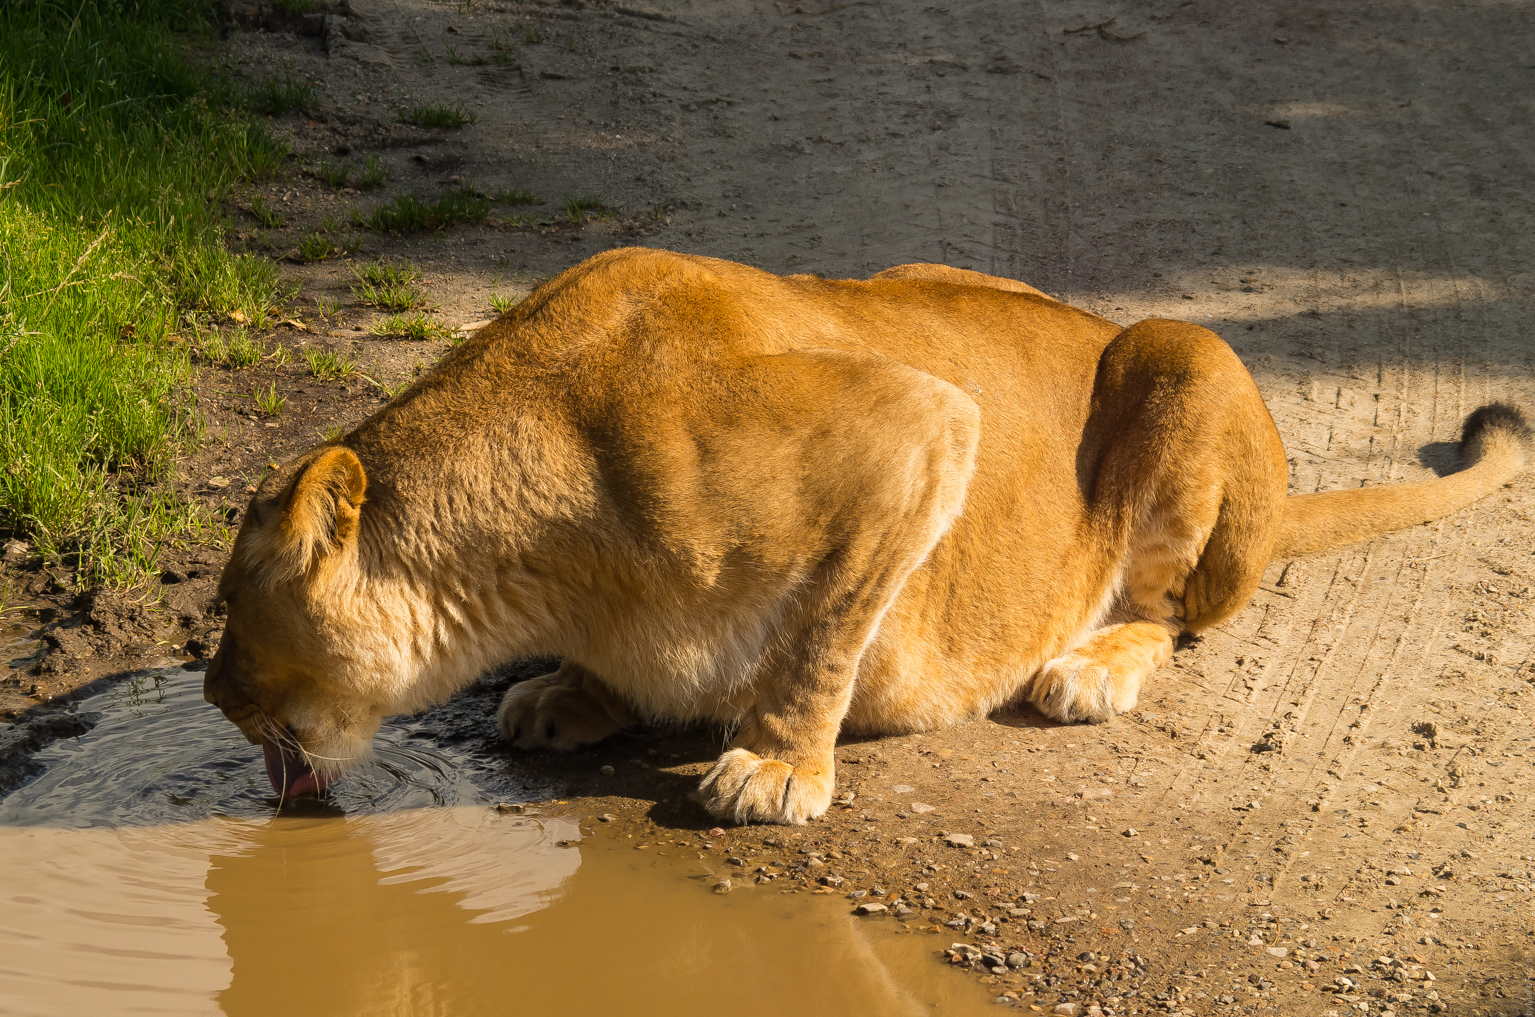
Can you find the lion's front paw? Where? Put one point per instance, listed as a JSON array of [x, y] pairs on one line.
[[745, 788], [548, 712], [1081, 688]]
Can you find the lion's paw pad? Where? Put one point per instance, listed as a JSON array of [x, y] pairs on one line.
[[745, 788]]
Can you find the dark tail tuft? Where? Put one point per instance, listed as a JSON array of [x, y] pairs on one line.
[[1488, 423]]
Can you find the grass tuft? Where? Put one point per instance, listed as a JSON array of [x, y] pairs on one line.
[[436, 115], [501, 303], [316, 247], [412, 326], [408, 214], [276, 95], [326, 365], [578, 210], [268, 401]]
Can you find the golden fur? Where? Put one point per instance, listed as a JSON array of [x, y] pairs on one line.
[[788, 505]]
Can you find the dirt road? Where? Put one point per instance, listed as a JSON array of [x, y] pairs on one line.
[[1331, 792]]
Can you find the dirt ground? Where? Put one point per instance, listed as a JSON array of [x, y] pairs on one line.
[[1321, 807]]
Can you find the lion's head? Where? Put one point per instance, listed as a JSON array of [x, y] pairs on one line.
[[308, 666]]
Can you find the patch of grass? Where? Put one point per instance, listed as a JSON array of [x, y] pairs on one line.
[[268, 401], [532, 35], [266, 215], [501, 304], [277, 94], [578, 210], [316, 247], [326, 307], [332, 432], [243, 351], [408, 214], [388, 286], [330, 224], [332, 174], [111, 142], [516, 196], [432, 115], [372, 175], [281, 355], [326, 365], [412, 326]]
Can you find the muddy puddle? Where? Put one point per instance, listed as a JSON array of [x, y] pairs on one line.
[[146, 870]]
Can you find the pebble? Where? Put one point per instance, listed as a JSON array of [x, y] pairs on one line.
[[1129, 832], [903, 789], [607, 817], [1018, 960], [921, 807], [723, 886], [1279, 951], [606, 771], [1073, 858], [718, 831], [218, 481], [831, 881], [871, 908], [962, 895], [959, 840], [1067, 1009], [506, 809]]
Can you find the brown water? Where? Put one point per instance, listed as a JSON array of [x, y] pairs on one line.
[[145, 871]]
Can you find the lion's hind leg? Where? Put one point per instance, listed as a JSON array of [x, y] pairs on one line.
[[562, 710], [1186, 483]]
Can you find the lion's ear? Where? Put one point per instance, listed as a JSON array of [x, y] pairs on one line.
[[320, 511]]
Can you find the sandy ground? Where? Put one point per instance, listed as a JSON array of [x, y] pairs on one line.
[[1332, 788]]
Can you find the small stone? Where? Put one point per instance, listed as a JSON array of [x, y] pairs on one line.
[[723, 886], [871, 908], [1073, 858], [903, 789], [904, 912], [962, 895], [1278, 951], [218, 481], [857, 894], [506, 809], [606, 771], [920, 807], [1035, 925], [717, 831], [993, 960], [1130, 832], [1127, 924], [831, 881], [959, 840], [1018, 960], [964, 950], [607, 817], [1067, 1009], [921, 886]]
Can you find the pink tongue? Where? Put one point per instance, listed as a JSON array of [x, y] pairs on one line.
[[289, 772]]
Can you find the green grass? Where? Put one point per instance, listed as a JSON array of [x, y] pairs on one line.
[[316, 247], [412, 326], [325, 365], [501, 304], [387, 285], [268, 401], [516, 196], [268, 216], [276, 95], [579, 210], [116, 154], [408, 214], [436, 115], [372, 175]]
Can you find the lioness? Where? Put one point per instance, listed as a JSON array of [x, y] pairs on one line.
[[789, 505]]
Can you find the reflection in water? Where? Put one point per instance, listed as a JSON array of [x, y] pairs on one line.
[[144, 871]]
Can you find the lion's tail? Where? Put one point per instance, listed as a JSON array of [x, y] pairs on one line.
[[1494, 448]]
